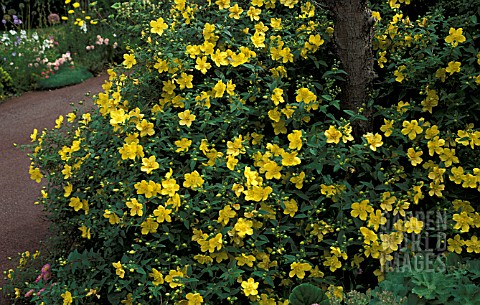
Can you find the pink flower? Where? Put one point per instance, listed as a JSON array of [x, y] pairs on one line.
[[29, 293], [53, 18], [105, 41], [40, 291]]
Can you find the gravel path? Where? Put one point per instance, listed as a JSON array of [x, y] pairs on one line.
[[22, 226]]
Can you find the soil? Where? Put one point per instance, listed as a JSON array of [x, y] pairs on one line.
[[22, 223]]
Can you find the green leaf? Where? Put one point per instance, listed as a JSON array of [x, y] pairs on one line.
[[306, 294]]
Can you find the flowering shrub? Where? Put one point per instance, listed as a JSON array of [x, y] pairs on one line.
[[219, 166], [6, 84], [27, 57]]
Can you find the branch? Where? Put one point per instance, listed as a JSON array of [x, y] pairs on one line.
[[324, 4]]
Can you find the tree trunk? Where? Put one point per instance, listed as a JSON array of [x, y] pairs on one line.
[[353, 35]]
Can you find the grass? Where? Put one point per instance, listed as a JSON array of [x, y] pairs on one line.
[[65, 77]]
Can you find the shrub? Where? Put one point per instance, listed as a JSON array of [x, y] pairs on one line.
[[6, 84], [219, 166]]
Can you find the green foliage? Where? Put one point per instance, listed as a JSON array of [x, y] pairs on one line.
[[65, 77], [6, 84], [219, 166], [307, 294], [455, 283], [33, 57]]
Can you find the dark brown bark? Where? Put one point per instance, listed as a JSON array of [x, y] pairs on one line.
[[353, 35]]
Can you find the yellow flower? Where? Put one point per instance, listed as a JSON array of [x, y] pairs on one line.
[[435, 146], [183, 144], [463, 221], [185, 80], [129, 60], [202, 64], [119, 269], [399, 73], [149, 164], [272, 170], [235, 12], [226, 214], [35, 174], [295, 139], [375, 140], [414, 225], [431, 132], [436, 189], [448, 157], [305, 95], [376, 219], [162, 214], [249, 287], [170, 186], [67, 298], [402, 106], [411, 129], [291, 207], [136, 208], [193, 180], [186, 118], [258, 39], [276, 23], [387, 127], [223, 4], [76, 5], [149, 189], [333, 263], [157, 277], [473, 245], [194, 299], [145, 128], [298, 269], [361, 209], [149, 226], [254, 13], [172, 278], [290, 159], [85, 232], [58, 122], [455, 36], [112, 217], [369, 236], [298, 180], [243, 227], [333, 135], [76, 204], [158, 26], [455, 244], [219, 89], [414, 156], [245, 260], [453, 67], [441, 74]]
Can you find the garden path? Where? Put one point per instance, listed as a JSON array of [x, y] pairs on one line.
[[22, 225]]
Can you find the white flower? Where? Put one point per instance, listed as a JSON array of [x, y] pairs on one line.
[[35, 36], [13, 32]]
